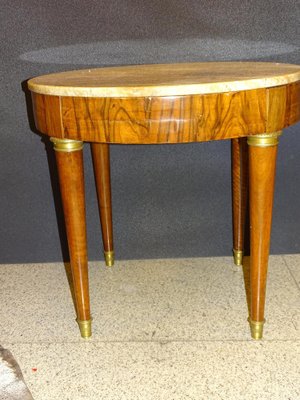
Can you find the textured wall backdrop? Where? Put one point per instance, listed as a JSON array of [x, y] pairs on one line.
[[168, 201]]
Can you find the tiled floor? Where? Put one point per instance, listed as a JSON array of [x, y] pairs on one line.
[[163, 329]]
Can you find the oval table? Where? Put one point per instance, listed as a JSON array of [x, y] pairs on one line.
[[249, 103]]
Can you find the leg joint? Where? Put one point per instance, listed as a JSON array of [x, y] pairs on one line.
[[66, 145], [264, 140]]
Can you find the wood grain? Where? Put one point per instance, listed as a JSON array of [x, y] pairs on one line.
[[276, 108], [70, 171], [262, 163], [283, 106], [166, 79], [239, 171], [164, 119], [177, 119], [292, 113], [101, 163], [47, 114]]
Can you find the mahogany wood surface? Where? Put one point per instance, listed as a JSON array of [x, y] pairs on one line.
[[262, 163], [239, 171], [176, 119], [101, 162], [71, 180]]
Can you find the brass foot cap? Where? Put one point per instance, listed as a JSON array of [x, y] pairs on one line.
[[109, 258], [256, 329], [238, 257], [85, 328]]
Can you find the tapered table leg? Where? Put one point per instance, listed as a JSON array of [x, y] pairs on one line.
[[239, 172], [70, 170], [262, 164], [101, 162]]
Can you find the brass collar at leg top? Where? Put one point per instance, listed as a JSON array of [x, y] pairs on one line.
[[66, 145], [264, 140]]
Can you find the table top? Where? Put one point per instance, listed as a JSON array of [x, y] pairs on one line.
[[166, 79]]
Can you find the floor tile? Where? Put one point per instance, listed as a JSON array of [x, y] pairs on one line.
[[182, 299], [293, 264], [163, 371]]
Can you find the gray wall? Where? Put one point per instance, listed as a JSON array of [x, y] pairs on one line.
[[168, 201]]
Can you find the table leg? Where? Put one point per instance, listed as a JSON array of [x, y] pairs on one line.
[[101, 162], [69, 160], [239, 171], [262, 164]]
